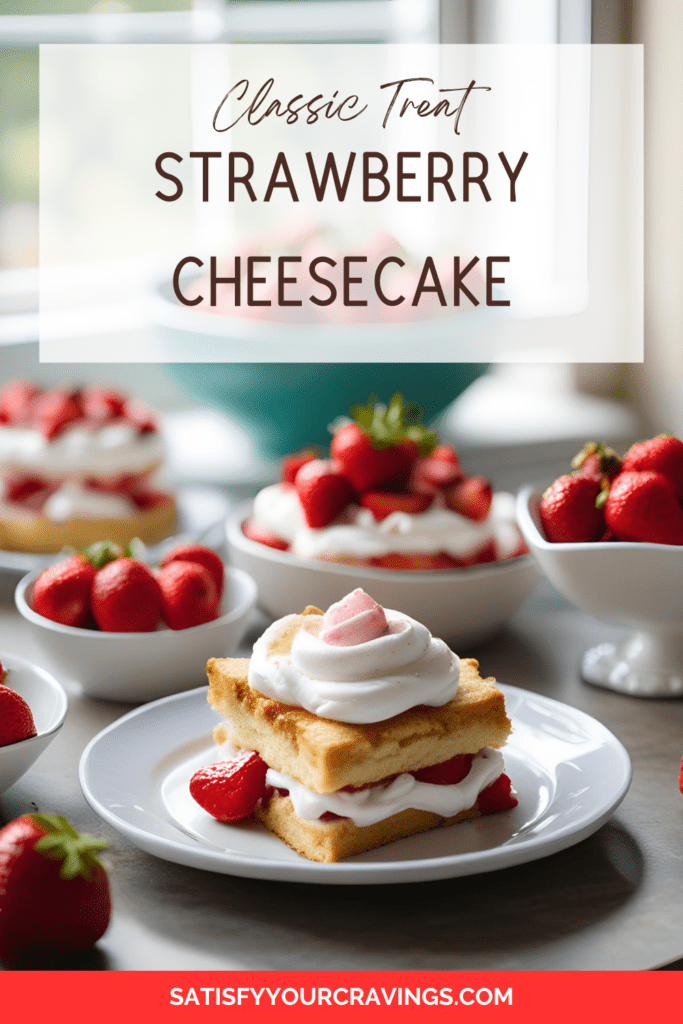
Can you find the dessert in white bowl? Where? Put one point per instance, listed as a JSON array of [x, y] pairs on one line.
[[76, 465], [388, 497], [353, 729]]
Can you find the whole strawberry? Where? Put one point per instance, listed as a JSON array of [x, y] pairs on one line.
[[366, 466], [54, 893], [62, 592], [381, 446], [230, 790], [189, 595], [126, 597], [642, 506], [202, 556], [660, 455], [16, 718], [323, 491], [568, 511]]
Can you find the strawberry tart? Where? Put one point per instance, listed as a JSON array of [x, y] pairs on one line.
[[387, 496], [350, 729], [76, 465]]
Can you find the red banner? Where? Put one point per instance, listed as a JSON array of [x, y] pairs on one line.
[[506, 996]]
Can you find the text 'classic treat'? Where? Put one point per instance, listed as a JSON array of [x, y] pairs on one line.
[[388, 496], [76, 465], [353, 728]]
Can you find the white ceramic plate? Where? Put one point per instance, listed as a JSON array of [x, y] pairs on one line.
[[569, 771], [199, 508]]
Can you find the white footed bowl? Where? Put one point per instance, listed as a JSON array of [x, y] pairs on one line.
[[462, 606], [638, 587], [140, 666], [48, 703]]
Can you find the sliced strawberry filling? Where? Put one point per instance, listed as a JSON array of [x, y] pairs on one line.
[[495, 797], [29, 492], [136, 488]]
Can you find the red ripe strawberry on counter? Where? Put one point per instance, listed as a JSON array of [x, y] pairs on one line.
[[54, 892], [638, 498]]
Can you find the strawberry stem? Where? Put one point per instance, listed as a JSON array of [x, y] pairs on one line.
[[399, 421], [62, 842], [102, 553]]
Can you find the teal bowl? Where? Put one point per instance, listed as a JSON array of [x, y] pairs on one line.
[[285, 406]]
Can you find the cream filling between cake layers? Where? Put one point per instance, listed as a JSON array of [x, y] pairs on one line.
[[114, 450], [277, 510], [405, 792]]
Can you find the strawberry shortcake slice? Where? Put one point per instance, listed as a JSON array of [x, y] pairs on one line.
[[350, 729], [77, 465]]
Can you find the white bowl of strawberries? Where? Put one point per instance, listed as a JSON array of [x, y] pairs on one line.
[[32, 711], [125, 631], [609, 537], [390, 511]]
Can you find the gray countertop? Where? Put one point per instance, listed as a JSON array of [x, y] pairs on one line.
[[612, 902]]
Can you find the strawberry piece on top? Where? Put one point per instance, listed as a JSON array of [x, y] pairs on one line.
[[323, 492]]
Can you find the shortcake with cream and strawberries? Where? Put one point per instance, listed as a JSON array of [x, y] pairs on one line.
[[77, 465], [353, 728], [388, 496]]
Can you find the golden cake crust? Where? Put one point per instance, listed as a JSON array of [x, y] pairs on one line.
[[331, 841], [325, 756], [36, 533]]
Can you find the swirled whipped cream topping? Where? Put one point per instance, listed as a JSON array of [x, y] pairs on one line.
[[112, 450], [368, 806], [357, 534], [359, 663]]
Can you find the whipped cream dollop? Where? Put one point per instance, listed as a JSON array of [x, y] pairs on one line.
[[368, 806], [356, 682], [113, 450], [277, 510]]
